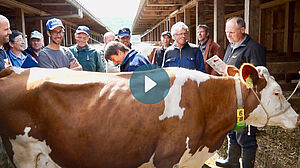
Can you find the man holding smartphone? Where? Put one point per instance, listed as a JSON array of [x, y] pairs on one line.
[[54, 55]]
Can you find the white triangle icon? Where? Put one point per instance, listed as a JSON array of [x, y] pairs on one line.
[[149, 84]]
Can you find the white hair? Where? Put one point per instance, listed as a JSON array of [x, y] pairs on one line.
[[178, 26], [108, 34]]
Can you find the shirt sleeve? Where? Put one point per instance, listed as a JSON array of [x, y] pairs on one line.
[[44, 61]]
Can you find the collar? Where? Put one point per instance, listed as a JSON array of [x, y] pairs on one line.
[[185, 45], [204, 44], [129, 55], [86, 47], [13, 56], [239, 44]]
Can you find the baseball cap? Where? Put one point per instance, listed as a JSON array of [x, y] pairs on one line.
[[124, 32], [83, 29], [166, 33], [36, 34], [53, 23]]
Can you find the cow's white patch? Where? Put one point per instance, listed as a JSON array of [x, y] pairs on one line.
[[173, 98], [17, 70], [274, 103], [195, 160], [30, 152], [149, 164]]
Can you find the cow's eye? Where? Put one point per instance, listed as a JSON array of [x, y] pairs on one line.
[[276, 93]]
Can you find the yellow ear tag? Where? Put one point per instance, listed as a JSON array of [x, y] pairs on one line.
[[240, 120], [249, 82]]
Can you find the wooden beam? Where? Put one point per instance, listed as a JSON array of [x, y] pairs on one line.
[[274, 3], [187, 20], [251, 16], [289, 28], [219, 23]]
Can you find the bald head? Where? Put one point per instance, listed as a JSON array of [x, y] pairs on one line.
[[4, 30]]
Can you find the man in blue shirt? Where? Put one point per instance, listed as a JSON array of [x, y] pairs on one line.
[[130, 60], [4, 38]]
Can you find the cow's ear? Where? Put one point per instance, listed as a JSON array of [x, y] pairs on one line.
[[231, 70], [249, 74]]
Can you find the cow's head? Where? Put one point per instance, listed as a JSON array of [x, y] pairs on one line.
[[273, 109]]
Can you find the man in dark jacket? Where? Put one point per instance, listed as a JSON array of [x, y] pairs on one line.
[[4, 38], [159, 52], [88, 57], [182, 53], [129, 60], [240, 50], [36, 44]]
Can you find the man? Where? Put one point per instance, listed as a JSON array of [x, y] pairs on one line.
[[53, 55], [108, 37], [124, 36], [109, 66], [240, 50], [129, 60], [4, 38], [88, 58], [182, 53], [208, 47], [159, 53], [36, 44]]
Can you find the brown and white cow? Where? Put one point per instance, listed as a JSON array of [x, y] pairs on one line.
[[63, 118]]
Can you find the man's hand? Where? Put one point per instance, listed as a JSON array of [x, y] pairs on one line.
[[74, 65]]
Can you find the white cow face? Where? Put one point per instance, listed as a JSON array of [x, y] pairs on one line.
[[275, 110]]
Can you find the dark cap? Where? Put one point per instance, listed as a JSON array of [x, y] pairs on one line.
[[124, 32], [166, 33], [83, 29]]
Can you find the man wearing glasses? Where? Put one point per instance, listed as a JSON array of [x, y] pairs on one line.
[[88, 57], [54, 55], [182, 53]]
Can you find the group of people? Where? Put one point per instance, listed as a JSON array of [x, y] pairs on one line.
[[119, 53]]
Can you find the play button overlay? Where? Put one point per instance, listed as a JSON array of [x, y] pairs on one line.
[[149, 84]]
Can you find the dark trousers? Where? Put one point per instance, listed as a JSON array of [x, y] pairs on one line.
[[242, 137]]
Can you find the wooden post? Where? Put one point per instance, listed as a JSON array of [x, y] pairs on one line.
[[187, 21], [251, 16], [199, 17], [20, 23], [289, 27], [219, 23]]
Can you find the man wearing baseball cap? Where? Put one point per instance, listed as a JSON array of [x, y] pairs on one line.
[[89, 58], [54, 55], [124, 36], [159, 52], [36, 43]]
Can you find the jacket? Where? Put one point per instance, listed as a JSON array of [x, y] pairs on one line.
[[249, 51], [189, 56], [212, 49], [88, 58], [132, 61]]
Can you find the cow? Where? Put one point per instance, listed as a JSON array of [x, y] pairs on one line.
[[61, 118]]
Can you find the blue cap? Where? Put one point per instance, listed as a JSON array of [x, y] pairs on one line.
[[124, 32], [53, 23], [83, 29]]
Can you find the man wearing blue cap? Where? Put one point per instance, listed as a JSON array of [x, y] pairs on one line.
[[53, 55], [88, 58], [124, 36], [159, 52]]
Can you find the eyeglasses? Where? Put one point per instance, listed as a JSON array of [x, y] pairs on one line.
[[19, 41], [181, 34], [57, 32]]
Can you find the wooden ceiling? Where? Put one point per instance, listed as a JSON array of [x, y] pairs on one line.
[[44, 9], [152, 12]]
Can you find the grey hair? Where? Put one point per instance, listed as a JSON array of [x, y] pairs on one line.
[[204, 26], [112, 47], [178, 26], [239, 21], [108, 34]]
